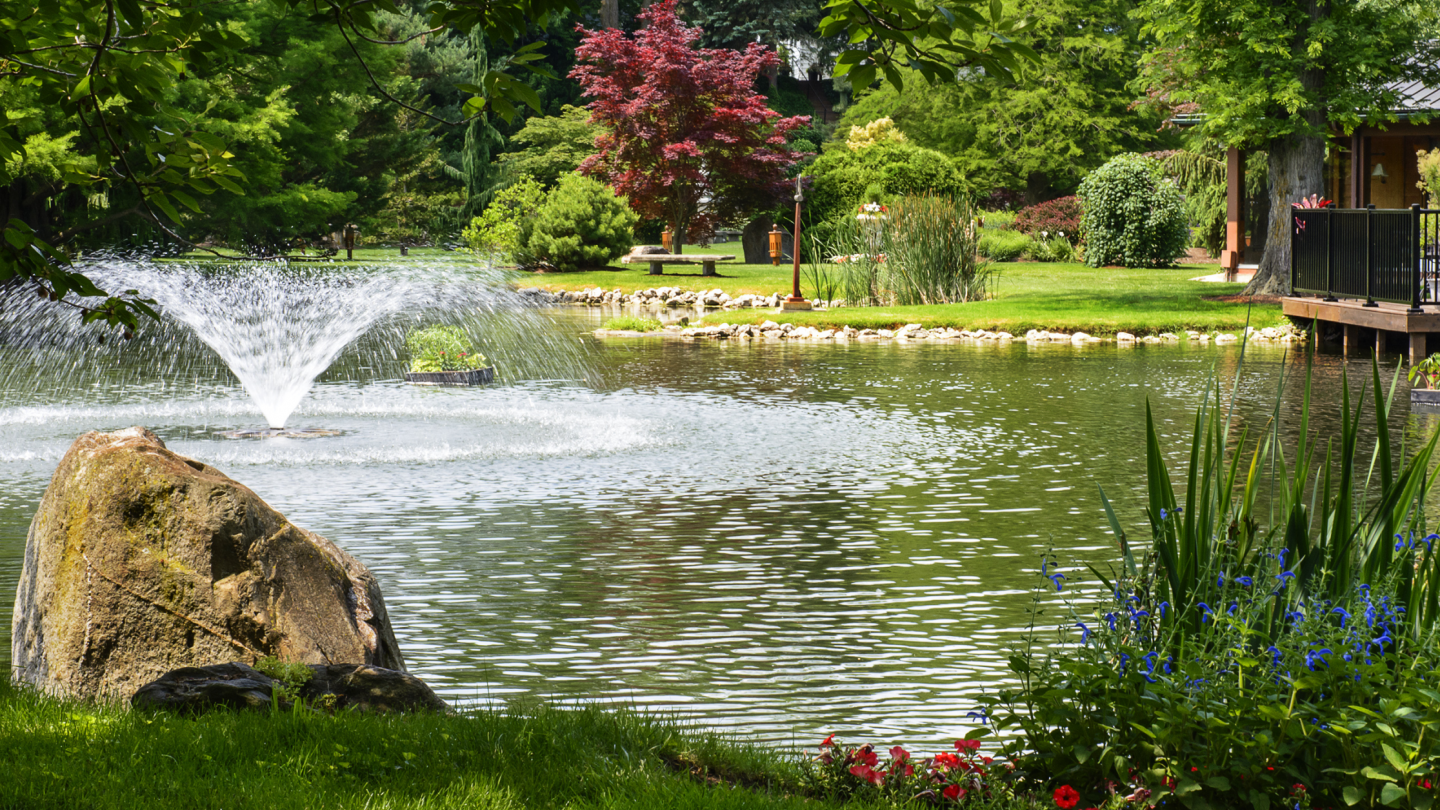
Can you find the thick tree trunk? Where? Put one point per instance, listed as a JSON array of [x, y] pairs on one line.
[[1037, 188], [1297, 169], [609, 13]]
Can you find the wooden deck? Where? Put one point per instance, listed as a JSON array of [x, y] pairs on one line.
[[1384, 326]]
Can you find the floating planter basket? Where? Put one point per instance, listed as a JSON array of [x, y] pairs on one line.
[[1425, 396], [479, 376]]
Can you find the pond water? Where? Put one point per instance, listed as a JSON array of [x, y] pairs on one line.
[[785, 540]]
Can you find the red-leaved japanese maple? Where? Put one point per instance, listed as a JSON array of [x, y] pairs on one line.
[[686, 137]]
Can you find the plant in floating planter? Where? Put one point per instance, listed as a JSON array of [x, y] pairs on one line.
[[1427, 370], [443, 348]]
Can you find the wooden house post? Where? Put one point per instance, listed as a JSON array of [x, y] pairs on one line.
[[1234, 211]]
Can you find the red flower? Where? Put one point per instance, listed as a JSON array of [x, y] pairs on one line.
[[899, 754], [867, 756], [947, 760], [1066, 797], [869, 774], [953, 792], [828, 742], [967, 745]]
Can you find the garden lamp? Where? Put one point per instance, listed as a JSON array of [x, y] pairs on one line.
[[775, 245], [1380, 173], [666, 240], [796, 301]]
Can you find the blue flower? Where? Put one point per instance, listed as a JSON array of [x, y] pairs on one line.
[[1163, 607], [1313, 656], [1280, 556], [1084, 633], [1207, 612], [1427, 541], [1124, 659], [1284, 575], [1246, 581], [1110, 617], [1344, 614], [1220, 583], [1274, 655], [979, 715], [1150, 665], [1055, 578]]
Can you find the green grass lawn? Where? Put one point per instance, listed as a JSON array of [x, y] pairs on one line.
[[1027, 295], [71, 756]]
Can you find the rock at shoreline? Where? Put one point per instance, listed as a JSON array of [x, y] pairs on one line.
[[360, 687], [140, 561]]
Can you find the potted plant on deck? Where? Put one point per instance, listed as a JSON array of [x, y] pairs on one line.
[[1428, 372], [443, 355]]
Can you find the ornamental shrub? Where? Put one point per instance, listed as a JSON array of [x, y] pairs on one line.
[[581, 224], [1134, 216], [1003, 246], [842, 176], [443, 348], [503, 228], [881, 130], [1047, 220]]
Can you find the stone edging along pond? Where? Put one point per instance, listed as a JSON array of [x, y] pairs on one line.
[[671, 297], [769, 330]]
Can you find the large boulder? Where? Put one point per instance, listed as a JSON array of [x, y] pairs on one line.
[[356, 687], [140, 561]]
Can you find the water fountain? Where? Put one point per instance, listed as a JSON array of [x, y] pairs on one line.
[[278, 327]]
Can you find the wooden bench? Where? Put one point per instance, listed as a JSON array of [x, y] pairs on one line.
[[657, 261]]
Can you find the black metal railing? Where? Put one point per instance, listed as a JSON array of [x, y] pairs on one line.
[[1378, 255]]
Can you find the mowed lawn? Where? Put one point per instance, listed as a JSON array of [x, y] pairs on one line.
[[1026, 295]]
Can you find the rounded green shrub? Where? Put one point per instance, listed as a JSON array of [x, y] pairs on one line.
[[1134, 215], [504, 226], [581, 224], [842, 176]]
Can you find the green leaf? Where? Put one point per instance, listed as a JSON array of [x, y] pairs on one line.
[[1392, 795], [1186, 786], [1218, 782], [1353, 795], [1393, 757], [1372, 773]]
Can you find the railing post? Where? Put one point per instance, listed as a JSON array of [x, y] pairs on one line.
[[1329, 253], [1416, 278], [1370, 256], [1295, 224]]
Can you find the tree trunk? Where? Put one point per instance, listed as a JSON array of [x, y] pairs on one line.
[[1037, 188], [1297, 169], [609, 13]]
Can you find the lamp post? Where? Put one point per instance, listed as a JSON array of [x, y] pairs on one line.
[[795, 301], [775, 245]]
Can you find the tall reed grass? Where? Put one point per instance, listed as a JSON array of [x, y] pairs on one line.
[[923, 251]]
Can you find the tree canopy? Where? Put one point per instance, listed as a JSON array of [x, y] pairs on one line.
[[684, 134], [1279, 74]]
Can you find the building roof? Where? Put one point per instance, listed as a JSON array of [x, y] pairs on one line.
[[1415, 96]]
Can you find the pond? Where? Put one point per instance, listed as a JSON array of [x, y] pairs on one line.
[[785, 540]]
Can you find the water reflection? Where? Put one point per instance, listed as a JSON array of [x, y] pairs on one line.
[[783, 539]]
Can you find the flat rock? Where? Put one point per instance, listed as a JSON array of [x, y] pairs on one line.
[[358, 687]]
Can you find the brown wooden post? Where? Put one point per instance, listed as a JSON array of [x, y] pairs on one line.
[[1419, 347], [1351, 346], [1358, 173], [1234, 211]]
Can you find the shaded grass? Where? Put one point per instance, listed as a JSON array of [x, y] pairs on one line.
[[68, 755], [631, 323], [76, 756]]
